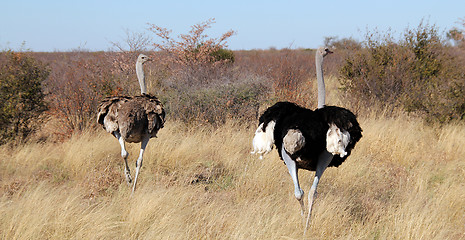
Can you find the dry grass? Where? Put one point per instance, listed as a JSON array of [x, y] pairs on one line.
[[404, 180]]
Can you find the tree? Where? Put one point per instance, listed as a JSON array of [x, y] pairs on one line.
[[21, 96], [193, 57], [457, 33], [133, 42]]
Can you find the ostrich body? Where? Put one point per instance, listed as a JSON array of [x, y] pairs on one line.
[[132, 119], [308, 139]]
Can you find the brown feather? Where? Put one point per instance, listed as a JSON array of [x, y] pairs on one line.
[[133, 117]]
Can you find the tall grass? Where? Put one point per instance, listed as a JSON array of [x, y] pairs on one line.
[[405, 180]]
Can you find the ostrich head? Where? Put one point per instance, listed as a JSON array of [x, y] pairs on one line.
[[323, 51], [143, 58]]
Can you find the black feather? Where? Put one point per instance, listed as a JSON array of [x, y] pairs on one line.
[[314, 125]]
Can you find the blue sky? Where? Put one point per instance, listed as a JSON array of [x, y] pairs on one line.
[[91, 24]]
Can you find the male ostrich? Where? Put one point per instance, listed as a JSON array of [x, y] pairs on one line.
[[132, 119], [306, 139]]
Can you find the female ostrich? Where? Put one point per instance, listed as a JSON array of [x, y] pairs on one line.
[[306, 139], [132, 119]]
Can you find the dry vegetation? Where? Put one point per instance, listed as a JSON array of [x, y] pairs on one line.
[[404, 180]]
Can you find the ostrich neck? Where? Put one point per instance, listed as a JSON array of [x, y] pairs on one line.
[[141, 77], [320, 80]]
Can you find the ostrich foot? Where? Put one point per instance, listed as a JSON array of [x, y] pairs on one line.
[[302, 206], [311, 200], [128, 177]]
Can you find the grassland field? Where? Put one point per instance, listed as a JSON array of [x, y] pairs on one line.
[[404, 180]]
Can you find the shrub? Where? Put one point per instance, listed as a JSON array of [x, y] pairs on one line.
[[376, 72], [215, 104], [75, 89], [419, 74], [291, 79], [290, 72], [194, 58], [223, 55], [21, 96]]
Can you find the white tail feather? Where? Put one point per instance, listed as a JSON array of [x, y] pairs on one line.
[[337, 140], [263, 140]]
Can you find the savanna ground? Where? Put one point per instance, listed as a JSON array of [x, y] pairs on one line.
[[404, 180]]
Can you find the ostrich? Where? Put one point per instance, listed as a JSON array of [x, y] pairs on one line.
[[132, 119], [306, 139]]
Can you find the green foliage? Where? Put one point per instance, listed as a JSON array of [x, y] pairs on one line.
[[424, 42], [21, 96], [223, 55], [419, 74], [374, 72]]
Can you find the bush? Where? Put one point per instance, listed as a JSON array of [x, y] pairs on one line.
[[21, 96], [376, 72], [194, 58], [223, 55], [419, 74], [75, 88], [290, 72], [215, 104]]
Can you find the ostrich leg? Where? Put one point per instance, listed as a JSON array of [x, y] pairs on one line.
[[125, 155], [323, 161], [291, 166], [143, 145]]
